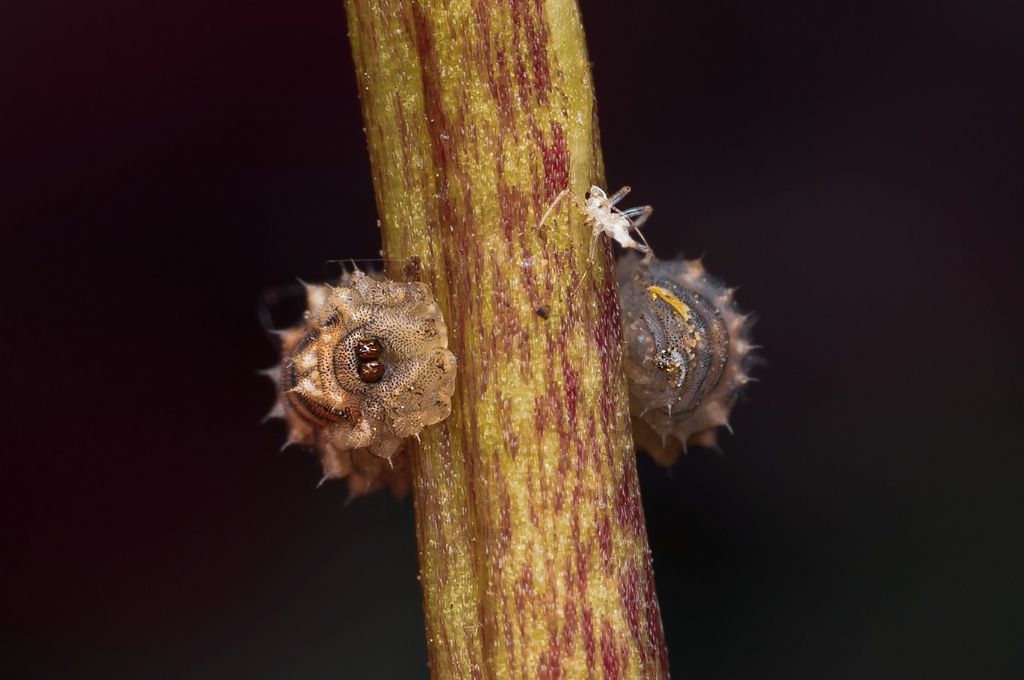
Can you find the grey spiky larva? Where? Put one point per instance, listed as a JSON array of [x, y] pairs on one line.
[[368, 368], [687, 353]]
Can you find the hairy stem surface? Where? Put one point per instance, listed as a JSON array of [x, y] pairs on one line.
[[534, 560]]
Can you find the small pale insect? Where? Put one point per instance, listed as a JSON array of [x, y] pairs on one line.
[[604, 218], [369, 367], [687, 353]]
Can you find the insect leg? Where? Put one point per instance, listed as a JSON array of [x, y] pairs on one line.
[[637, 216], [590, 265], [593, 246], [619, 195], [646, 250]]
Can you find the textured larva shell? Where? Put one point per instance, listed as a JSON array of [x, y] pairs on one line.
[[356, 406], [687, 351]]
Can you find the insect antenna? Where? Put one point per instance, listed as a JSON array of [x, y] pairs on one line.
[[367, 259], [342, 262], [411, 265], [558, 199]]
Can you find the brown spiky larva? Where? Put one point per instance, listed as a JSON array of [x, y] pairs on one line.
[[368, 368], [687, 353]]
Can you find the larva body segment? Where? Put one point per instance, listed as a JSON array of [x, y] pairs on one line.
[[687, 353], [369, 368]]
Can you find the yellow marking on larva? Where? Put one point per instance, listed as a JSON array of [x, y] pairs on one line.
[[680, 307]]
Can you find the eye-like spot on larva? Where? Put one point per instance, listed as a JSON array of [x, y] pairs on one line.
[[369, 368], [687, 353], [367, 350], [371, 371]]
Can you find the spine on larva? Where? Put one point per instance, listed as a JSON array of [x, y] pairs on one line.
[[687, 353]]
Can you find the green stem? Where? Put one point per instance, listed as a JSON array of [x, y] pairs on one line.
[[534, 559]]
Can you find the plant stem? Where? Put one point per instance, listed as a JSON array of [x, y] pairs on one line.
[[534, 560]]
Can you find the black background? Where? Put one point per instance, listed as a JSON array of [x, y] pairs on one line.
[[854, 166]]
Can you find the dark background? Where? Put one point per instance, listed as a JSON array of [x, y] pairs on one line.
[[854, 166]]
